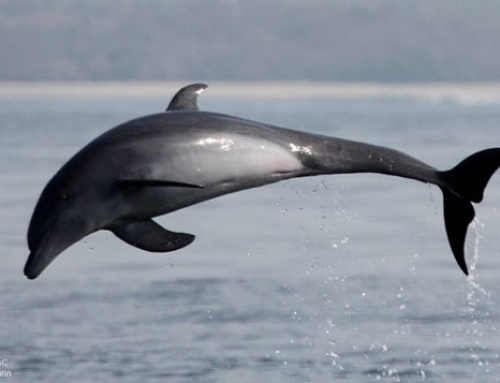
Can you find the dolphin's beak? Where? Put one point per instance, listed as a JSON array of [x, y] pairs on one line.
[[54, 242], [37, 262], [42, 256]]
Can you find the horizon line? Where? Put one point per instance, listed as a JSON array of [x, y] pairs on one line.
[[479, 91]]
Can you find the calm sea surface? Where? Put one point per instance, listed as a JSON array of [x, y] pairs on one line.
[[310, 280]]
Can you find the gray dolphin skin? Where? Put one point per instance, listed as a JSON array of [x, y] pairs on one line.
[[186, 98], [157, 164]]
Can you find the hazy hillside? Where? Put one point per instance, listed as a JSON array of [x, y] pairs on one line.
[[374, 40]]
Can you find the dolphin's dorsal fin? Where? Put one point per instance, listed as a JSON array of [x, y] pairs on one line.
[[148, 235], [186, 98]]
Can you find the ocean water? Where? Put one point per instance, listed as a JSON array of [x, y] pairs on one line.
[[319, 279]]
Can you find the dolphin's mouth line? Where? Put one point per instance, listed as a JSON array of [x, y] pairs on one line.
[[48, 229], [34, 257]]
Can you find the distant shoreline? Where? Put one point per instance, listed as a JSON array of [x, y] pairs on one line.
[[460, 92]]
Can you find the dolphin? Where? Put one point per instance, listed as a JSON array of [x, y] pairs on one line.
[[160, 163]]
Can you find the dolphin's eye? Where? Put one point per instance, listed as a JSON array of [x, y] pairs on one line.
[[64, 197]]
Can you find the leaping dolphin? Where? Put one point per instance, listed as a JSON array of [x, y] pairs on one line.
[[160, 163]]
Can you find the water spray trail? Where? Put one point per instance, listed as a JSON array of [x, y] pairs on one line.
[[477, 237]]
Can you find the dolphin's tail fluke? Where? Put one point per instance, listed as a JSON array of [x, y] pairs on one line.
[[458, 214], [465, 183]]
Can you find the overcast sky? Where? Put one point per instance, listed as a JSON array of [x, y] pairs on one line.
[[321, 40]]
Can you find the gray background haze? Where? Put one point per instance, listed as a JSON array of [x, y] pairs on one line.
[[319, 40]]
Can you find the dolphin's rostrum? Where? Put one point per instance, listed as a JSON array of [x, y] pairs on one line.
[[164, 162]]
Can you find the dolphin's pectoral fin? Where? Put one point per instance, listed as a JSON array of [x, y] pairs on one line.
[[153, 182], [148, 235]]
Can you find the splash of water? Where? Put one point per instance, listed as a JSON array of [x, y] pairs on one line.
[[477, 296], [476, 239]]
